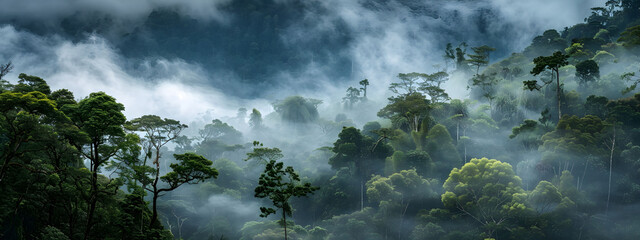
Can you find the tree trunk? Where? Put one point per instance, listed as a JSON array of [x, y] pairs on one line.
[[613, 146], [93, 199], [558, 93], [284, 218], [154, 216], [9, 156], [361, 195]]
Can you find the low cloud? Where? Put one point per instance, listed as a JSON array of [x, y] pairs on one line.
[[168, 88]]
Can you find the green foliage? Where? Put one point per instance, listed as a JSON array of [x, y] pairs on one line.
[[297, 109], [22, 119], [364, 83], [596, 106], [359, 153], [409, 83], [191, 168], [630, 37], [427, 231], [573, 136], [411, 108], [395, 194], [528, 134], [431, 86], [28, 83], [52, 233], [546, 197], [369, 129], [318, 233], [218, 130], [487, 84], [630, 77], [352, 97], [577, 53], [47, 137], [547, 43], [553, 63], [486, 190], [99, 116], [63, 97], [278, 183], [399, 187], [262, 154], [442, 151], [480, 56], [604, 58], [587, 71], [360, 225]]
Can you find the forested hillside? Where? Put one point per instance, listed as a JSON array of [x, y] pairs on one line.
[[545, 143]]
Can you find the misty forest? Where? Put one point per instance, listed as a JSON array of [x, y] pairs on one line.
[[313, 120]]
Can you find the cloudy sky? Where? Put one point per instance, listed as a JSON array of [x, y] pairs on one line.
[[389, 37]]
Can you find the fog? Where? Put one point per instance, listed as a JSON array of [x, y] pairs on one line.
[[377, 40]]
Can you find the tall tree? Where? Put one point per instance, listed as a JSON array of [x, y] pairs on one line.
[[449, 55], [361, 154], [278, 183], [364, 83], [461, 61], [480, 56], [157, 133], [352, 97], [190, 169], [487, 83], [552, 63], [101, 118], [22, 115]]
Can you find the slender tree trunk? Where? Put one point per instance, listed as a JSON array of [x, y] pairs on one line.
[[558, 93], [93, 199], [464, 132], [613, 145], [365, 91], [284, 218], [361, 195], [583, 174], [154, 216]]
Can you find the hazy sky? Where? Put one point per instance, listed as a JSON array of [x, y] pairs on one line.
[[388, 39]]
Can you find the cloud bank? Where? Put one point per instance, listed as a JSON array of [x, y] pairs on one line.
[[168, 88]]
